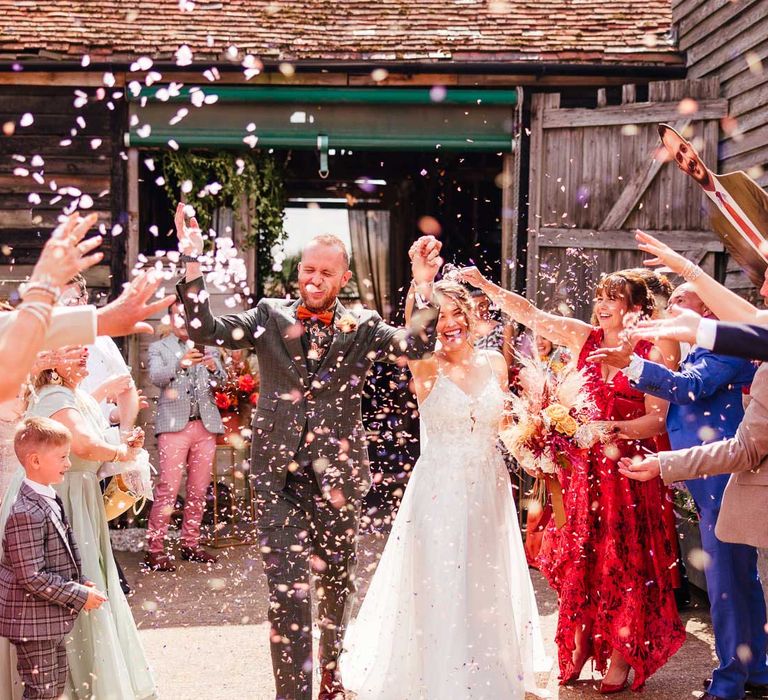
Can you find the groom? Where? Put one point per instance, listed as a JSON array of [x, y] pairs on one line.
[[309, 460]]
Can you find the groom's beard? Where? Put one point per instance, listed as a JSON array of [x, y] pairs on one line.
[[327, 303]]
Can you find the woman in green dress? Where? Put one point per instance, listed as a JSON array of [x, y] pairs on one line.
[[105, 655]]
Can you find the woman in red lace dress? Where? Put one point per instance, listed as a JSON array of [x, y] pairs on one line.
[[610, 562]]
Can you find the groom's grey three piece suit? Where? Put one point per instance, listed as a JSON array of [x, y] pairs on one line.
[[309, 458]]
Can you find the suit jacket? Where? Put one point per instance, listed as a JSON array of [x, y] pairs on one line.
[[747, 340], [705, 405], [176, 384], [41, 590], [291, 403], [745, 501], [754, 202]]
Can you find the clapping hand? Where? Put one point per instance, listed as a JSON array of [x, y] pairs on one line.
[[425, 258], [65, 254], [190, 236], [116, 385]]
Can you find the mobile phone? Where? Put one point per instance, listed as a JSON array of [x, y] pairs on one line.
[[200, 348]]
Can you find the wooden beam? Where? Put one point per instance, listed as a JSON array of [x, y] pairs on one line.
[[637, 113], [636, 187], [509, 217], [60, 79], [132, 184], [625, 240], [97, 276]]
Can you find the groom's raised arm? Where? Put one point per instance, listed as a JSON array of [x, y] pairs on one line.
[[232, 331]]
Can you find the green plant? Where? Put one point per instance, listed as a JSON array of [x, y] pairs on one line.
[[222, 179], [685, 506]]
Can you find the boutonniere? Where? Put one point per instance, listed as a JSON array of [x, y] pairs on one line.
[[347, 323]]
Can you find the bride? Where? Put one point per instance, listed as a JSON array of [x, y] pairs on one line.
[[450, 611]]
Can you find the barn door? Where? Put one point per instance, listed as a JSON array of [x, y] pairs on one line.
[[594, 180]]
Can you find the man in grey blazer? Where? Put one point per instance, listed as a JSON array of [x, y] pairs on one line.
[[186, 423], [309, 455]]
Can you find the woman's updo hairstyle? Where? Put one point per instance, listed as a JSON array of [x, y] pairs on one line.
[[632, 288]]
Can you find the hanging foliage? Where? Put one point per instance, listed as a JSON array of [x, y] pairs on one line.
[[214, 180]]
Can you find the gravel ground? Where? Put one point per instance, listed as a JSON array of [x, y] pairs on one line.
[[205, 631]]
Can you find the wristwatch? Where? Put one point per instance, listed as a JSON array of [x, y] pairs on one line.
[[188, 258]]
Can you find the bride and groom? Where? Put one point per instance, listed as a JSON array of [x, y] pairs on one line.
[[450, 612]]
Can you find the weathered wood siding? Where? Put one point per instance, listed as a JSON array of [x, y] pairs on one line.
[[593, 180], [728, 40], [68, 151]]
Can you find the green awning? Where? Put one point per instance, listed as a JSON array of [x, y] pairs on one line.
[[243, 117]]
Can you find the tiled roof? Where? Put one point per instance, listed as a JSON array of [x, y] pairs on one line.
[[292, 30]]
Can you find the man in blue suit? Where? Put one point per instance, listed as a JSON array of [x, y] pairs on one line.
[[705, 405]]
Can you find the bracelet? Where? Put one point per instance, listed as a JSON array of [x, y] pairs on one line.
[[691, 272], [39, 310], [188, 258], [41, 285]]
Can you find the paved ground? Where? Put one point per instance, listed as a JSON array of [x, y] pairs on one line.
[[205, 632]]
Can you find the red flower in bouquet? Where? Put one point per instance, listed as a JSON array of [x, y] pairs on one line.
[[222, 400], [254, 398], [246, 383]]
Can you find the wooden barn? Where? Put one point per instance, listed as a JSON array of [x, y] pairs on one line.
[[525, 134]]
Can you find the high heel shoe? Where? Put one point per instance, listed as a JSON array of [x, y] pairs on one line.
[[576, 673], [611, 689]]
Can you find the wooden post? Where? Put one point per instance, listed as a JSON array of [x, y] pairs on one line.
[[133, 240]]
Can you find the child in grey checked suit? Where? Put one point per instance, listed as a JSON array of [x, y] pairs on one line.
[[42, 589]]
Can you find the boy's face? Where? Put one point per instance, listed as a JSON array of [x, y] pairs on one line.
[[49, 464]]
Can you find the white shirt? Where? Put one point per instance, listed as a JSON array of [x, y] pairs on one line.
[[705, 335], [48, 493], [104, 361]]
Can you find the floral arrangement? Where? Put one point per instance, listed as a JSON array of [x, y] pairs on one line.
[[240, 387], [551, 423]]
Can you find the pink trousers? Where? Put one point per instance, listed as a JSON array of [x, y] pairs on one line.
[[193, 449]]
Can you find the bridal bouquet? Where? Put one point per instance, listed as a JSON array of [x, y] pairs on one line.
[[551, 423]]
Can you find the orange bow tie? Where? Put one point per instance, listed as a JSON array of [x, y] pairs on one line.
[[324, 317]]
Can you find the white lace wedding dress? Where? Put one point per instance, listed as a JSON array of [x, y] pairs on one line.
[[450, 613]]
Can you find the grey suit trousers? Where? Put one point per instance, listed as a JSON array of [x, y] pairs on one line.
[[302, 534]]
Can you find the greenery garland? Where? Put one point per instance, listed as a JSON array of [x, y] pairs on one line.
[[214, 180]]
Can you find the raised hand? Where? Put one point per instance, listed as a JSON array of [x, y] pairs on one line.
[[116, 385], [471, 275], [681, 325], [66, 253], [190, 236], [661, 252], [126, 314], [425, 258]]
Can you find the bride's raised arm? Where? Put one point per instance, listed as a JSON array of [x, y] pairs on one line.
[[560, 330]]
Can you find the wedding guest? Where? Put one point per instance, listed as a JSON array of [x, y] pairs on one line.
[[115, 667], [489, 329], [609, 563], [705, 407], [539, 510], [661, 289], [42, 586], [187, 423], [105, 362]]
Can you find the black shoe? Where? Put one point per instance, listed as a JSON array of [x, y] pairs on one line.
[[755, 690], [197, 554], [752, 690]]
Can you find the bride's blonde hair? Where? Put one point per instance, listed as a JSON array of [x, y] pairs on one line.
[[460, 296]]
